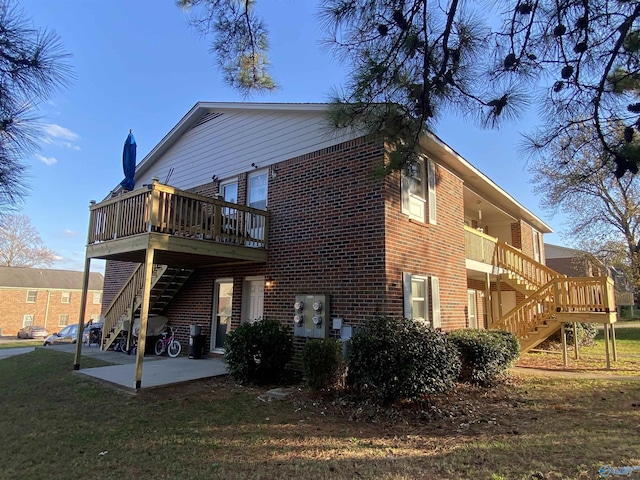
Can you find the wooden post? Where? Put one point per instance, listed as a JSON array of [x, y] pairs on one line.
[[606, 344], [83, 305], [575, 341], [613, 342], [499, 296], [565, 360], [144, 316], [487, 302]]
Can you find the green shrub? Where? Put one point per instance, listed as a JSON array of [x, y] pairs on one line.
[[322, 363], [485, 354], [258, 352], [586, 334], [391, 359]]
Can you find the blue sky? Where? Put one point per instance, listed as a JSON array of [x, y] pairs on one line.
[[139, 66]]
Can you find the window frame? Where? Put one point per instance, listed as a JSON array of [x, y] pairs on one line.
[[24, 320], [253, 175], [60, 318], [35, 296], [431, 299], [420, 207], [67, 296], [99, 296]]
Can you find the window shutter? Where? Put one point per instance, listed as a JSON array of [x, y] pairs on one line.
[[436, 321], [431, 178], [406, 207], [406, 287]]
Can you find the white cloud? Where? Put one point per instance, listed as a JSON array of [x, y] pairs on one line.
[[69, 233], [47, 160], [56, 131]]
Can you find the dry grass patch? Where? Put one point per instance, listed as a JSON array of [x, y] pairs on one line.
[[211, 429]]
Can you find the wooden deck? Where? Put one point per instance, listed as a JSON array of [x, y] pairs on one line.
[[183, 229]]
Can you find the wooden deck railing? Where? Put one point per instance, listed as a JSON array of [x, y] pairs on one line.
[[560, 295], [487, 249], [163, 209]]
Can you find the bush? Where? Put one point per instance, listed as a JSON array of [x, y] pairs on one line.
[[586, 334], [391, 359], [258, 352], [322, 363], [485, 354]]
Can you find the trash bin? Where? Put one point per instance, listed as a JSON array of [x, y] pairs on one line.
[[196, 346], [195, 330]]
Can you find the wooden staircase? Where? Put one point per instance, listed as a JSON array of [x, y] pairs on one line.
[[165, 283], [551, 298]]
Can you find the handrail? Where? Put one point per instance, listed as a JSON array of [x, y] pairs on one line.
[[532, 271], [123, 300], [164, 209], [559, 295]]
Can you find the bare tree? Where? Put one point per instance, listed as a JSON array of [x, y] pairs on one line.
[[32, 66], [20, 244], [411, 60], [602, 209]]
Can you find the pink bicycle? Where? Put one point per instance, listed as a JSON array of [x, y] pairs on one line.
[[169, 344]]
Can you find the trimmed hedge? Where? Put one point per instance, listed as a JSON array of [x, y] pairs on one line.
[[485, 354], [322, 363], [392, 359], [258, 352]]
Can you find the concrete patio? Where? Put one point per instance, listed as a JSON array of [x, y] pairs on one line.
[[156, 371]]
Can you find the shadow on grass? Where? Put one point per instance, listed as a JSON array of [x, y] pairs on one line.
[[57, 425]]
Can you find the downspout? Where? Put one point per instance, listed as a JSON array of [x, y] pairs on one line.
[[46, 311]]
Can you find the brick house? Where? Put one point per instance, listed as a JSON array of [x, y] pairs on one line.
[[269, 213], [45, 297]]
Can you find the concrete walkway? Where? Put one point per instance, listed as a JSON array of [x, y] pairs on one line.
[[10, 352]]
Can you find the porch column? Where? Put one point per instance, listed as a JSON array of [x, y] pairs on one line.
[[83, 306], [606, 345], [563, 334], [613, 342], [575, 341], [144, 316], [488, 303], [499, 290]]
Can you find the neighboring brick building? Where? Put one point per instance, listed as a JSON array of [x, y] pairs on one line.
[[281, 209], [45, 297]]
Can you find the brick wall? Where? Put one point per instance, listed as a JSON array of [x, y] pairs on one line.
[[46, 309], [115, 275], [430, 250]]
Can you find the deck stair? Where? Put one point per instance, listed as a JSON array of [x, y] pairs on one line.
[[165, 283], [551, 298]]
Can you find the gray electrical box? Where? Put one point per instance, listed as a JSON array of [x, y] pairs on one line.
[[311, 316]]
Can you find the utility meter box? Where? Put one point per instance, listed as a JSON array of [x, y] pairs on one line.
[[311, 316]]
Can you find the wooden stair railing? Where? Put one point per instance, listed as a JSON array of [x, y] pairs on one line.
[[540, 314], [522, 267], [123, 302]]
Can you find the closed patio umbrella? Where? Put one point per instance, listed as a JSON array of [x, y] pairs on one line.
[[129, 162]]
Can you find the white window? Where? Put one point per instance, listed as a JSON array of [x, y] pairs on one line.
[[32, 295], [97, 298], [257, 191], [419, 191], [537, 246], [66, 297], [27, 320], [95, 317], [230, 192], [422, 298], [63, 320]]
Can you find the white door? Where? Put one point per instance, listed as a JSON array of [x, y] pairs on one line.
[[253, 293], [472, 309]]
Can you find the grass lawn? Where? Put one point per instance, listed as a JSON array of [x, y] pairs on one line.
[[56, 425], [592, 358]]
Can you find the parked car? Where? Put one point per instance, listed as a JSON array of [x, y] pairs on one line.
[[68, 334], [32, 331]]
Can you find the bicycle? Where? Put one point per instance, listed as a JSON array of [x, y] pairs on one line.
[[169, 344]]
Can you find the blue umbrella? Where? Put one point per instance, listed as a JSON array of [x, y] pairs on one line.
[[129, 162]]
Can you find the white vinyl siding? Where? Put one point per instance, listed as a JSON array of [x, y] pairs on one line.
[[419, 191], [27, 320], [228, 144], [422, 298]]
